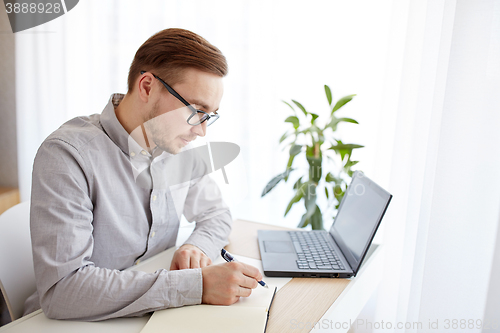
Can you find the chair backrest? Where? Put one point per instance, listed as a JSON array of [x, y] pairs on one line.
[[17, 275]]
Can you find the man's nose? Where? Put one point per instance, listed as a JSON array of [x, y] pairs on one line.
[[200, 129]]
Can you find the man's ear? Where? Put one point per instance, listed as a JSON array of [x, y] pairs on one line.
[[145, 86]]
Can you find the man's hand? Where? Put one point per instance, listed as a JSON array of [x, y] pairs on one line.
[[189, 256], [224, 284]]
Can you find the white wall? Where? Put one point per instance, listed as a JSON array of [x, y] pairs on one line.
[[8, 138]]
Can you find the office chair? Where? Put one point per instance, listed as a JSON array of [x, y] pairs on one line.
[[17, 275]]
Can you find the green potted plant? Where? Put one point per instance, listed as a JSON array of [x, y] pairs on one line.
[[309, 139]]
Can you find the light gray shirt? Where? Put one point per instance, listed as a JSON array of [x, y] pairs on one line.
[[100, 204]]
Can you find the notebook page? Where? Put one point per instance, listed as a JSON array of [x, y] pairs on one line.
[[207, 319], [249, 316]]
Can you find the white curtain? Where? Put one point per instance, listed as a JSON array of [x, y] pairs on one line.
[[426, 74], [441, 106]]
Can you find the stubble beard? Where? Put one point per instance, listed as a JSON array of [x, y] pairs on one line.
[[157, 132]]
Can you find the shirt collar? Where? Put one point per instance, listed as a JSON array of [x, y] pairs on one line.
[[112, 126], [119, 135]]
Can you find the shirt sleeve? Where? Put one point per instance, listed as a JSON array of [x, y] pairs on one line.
[[204, 205], [69, 284]]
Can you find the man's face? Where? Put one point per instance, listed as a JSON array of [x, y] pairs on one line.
[[166, 122]]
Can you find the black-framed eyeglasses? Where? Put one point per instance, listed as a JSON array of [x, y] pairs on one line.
[[197, 116]]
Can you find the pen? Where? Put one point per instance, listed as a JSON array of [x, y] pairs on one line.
[[228, 257]]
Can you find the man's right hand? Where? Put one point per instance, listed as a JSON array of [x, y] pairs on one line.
[[224, 284]]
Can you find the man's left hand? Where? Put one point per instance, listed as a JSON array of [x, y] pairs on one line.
[[189, 256]]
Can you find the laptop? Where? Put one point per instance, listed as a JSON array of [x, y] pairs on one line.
[[337, 253]]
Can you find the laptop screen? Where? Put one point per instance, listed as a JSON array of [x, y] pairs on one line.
[[358, 217]]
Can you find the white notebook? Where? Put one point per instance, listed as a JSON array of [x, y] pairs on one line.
[[248, 314]]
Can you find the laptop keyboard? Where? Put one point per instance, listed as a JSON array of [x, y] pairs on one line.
[[314, 251]]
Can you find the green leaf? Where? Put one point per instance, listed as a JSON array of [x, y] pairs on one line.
[[314, 116], [284, 136], [335, 121], [317, 220], [348, 120], [345, 146], [310, 204], [275, 181], [350, 172], [338, 190], [294, 120], [294, 150], [296, 198], [330, 178], [303, 221], [344, 149], [344, 152], [350, 164], [309, 151], [297, 184], [326, 192], [300, 107], [341, 102], [339, 195], [289, 164], [291, 107], [328, 93]]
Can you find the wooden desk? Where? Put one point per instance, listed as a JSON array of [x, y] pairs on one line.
[[301, 299], [9, 197], [302, 305]]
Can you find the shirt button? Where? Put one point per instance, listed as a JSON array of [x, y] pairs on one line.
[[153, 234], [154, 197], [132, 154], [144, 153]]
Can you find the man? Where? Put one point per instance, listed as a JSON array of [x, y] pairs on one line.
[[103, 198]]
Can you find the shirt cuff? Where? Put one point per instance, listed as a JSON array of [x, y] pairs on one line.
[[205, 246], [183, 287]]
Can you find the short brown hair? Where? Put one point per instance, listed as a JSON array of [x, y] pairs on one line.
[[170, 51]]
